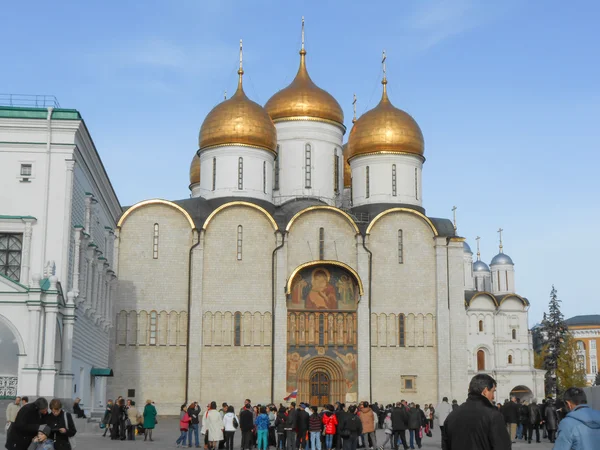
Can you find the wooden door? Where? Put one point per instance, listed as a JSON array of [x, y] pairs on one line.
[[319, 389]]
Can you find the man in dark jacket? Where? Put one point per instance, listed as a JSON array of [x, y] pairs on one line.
[[26, 424], [351, 428], [415, 421], [510, 411], [340, 415], [477, 424], [246, 426], [399, 425], [535, 419], [290, 427], [302, 418]]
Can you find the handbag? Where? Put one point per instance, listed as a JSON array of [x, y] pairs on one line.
[[72, 441], [236, 424]]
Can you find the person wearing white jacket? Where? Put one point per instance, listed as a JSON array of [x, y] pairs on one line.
[[229, 424], [442, 412]]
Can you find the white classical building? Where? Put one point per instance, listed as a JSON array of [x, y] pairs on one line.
[[58, 212], [301, 264]]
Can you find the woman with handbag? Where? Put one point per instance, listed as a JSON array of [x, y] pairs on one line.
[[184, 425], [62, 427], [149, 420]]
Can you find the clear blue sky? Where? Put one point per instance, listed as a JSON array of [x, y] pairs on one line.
[[507, 94]]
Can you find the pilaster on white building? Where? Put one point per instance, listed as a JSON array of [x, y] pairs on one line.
[[58, 211]]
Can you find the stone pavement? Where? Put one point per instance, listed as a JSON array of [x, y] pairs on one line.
[[167, 433]]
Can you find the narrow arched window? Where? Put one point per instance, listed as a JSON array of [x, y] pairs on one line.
[[400, 248], [155, 242], [368, 183], [307, 166], [240, 173], [514, 334], [237, 329], [321, 329], [481, 326], [394, 189], [265, 177], [510, 360], [240, 232], [214, 174], [416, 184], [401, 331], [276, 171], [153, 327], [321, 243], [336, 172], [480, 360]]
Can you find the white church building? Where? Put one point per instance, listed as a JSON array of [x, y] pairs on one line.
[[298, 263]]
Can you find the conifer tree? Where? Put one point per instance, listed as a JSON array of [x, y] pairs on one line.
[[554, 331]]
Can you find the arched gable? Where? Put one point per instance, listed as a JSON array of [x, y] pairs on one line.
[[353, 272], [483, 300], [516, 297], [323, 208], [406, 210], [243, 204], [156, 201]]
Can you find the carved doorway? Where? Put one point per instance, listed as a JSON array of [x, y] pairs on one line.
[[319, 388]]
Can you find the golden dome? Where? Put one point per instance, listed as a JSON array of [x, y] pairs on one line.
[[304, 100], [347, 169], [385, 129], [195, 170], [238, 121]]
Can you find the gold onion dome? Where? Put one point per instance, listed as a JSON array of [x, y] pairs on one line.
[[303, 99], [385, 129], [238, 121], [347, 168], [195, 170]]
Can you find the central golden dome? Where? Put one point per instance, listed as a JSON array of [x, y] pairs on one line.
[[238, 121], [385, 129], [303, 99]]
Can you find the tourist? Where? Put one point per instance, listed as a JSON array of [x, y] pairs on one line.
[[133, 419], [246, 426], [580, 429], [330, 422], [388, 431], [115, 419], [302, 418], [107, 416], [61, 425], [441, 414], [510, 411], [214, 426], [535, 419], [27, 424], [24, 400], [272, 411], [80, 413], [11, 412], [149, 420], [551, 419], [262, 428], [290, 427], [340, 413], [230, 424], [315, 426], [194, 413], [184, 425], [350, 429], [42, 440], [280, 427], [367, 419], [399, 425], [477, 424]]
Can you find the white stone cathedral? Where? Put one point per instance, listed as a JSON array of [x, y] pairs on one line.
[[300, 263]]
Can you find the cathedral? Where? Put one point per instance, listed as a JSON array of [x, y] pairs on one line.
[[301, 263]]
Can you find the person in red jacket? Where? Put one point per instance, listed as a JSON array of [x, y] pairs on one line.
[[330, 421], [184, 425]]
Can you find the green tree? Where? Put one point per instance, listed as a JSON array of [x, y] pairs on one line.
[[570, 370], [553, 332]]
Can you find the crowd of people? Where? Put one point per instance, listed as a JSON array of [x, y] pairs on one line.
[[122, 420]]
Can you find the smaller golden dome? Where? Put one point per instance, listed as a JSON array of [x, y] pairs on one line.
[[195, 170], [385, 129], [347, 169], [238, 121], [303, 99]]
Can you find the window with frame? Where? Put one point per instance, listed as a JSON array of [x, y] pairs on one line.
[[580, 346], [408, 383], [394, 190], [11, 248], [307, 166], [153, 327], [401, 331], [276, 172], [26, 170], [240, 231], [593, 344], [400, 247], [240, 173], [481, 326], [155, 242], [321, 243], [237, 329], [514, 333], [265, 177], [336, 172], [214, 174], [480, 360], [510, 359], [368, 183]]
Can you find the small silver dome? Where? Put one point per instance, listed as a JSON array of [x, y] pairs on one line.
[[480, 266], [501, 258], [466, 247]]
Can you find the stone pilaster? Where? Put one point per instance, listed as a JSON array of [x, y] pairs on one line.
[[26, 252], [280, 314], [443, 319], [363, 325], [65, 377], [194, 342]]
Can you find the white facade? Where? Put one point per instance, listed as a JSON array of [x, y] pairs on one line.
[[56, 199], [386, 178], [307, 155], [238, 171], [503, 278]]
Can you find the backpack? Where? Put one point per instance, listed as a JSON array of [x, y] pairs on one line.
[[236, 424]]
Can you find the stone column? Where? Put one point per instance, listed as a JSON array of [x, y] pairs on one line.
[[34, 335], [194, 342], [442, 320], [68, 206], [76, 259], [26, 252], [363, 325], [48, 369], [65, 378], [280, 330]]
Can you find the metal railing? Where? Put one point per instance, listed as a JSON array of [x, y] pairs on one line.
[[29, 100]]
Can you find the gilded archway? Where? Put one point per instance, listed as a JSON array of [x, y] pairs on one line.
[[335, 377]]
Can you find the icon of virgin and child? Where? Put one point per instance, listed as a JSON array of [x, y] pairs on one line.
[[329, 288]]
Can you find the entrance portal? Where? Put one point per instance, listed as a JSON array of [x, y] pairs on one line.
[[319, 389], [522, 393]]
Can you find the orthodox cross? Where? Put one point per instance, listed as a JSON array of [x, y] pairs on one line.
[[354, 108], [478, 253], [383, 58], [454, 208], [302, 32], [500, 230], [225, 95]]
